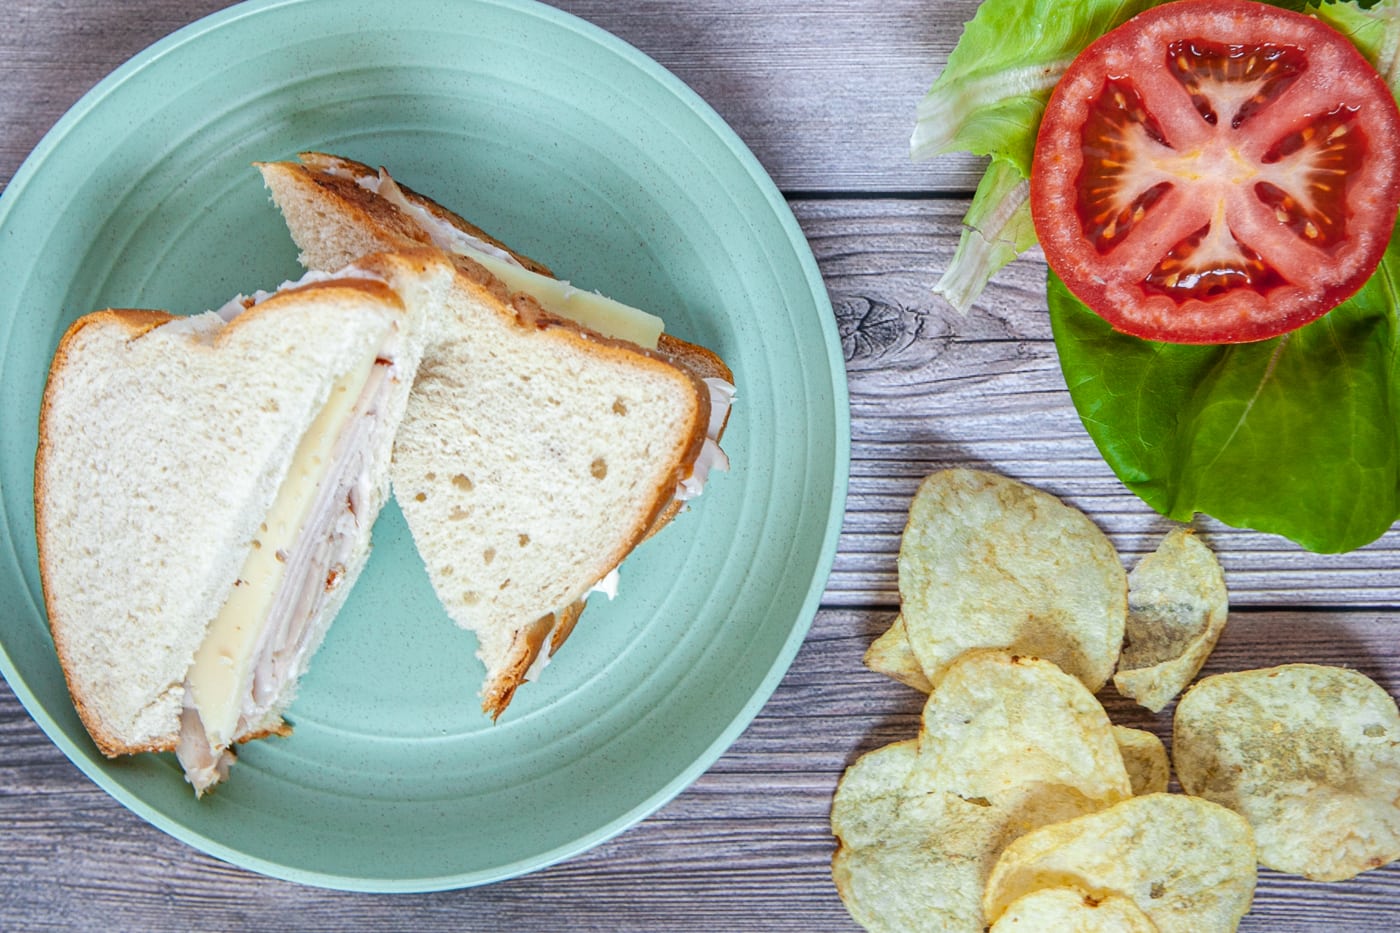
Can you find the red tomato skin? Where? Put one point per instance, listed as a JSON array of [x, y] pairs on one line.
[[1313, 280]]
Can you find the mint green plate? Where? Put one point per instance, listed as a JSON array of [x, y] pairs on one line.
[[579, 150]]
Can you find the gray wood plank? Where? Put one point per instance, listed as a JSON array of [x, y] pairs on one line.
[[932, 388], [824, 93], [746, 848]]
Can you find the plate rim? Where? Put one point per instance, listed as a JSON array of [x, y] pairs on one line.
[[804, 615]]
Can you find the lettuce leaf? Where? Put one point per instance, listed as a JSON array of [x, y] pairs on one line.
[[989, 97], [1374, 29], [996, 229], [988, 101], [1297, 436]]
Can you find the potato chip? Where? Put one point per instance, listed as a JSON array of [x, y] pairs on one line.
[[1145, 758], [1187, 863], [1308, 754], [988, 562], [929, 875], [910, 857], [891, 655], [1070, 910], [1022, 735], [1177, 606], [1007, 744], [868, 796]]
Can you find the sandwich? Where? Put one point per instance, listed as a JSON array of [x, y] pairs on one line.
[[204, 491], [549, 432]]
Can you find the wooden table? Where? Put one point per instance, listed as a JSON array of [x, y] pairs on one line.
[[824, 94]]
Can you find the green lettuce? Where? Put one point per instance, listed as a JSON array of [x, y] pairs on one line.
[[996, 229], [1297, 436], [989, 98], [1372, 28], [988, 101]]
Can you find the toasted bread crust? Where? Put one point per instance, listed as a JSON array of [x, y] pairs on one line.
[[327, 180], [134, 324], [375, 288], [704, 365], [544, 634], [384, 220], [696, 358]]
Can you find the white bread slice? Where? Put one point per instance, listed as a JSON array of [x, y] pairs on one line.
[[334, 220], [335, 213], [533, 457], [163, 441]]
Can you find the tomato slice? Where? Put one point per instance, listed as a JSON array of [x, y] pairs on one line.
[[1216, 171]]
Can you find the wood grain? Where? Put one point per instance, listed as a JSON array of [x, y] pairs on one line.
[[824, 93], [747, 847], [931, 388]]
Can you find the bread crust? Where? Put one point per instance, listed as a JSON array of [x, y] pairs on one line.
[[544, 634], [320, 176], [704, 365], [522, 311], [133, 324], [326, 173]]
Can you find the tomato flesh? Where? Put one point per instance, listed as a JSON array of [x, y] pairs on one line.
[[1216, 171]]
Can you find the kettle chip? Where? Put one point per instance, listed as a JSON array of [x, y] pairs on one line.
[[1145, 758], [1187, 863], [1006, 744], [989, 562], [1018, 733], [892, 655], [1308, 754], [1070, 910], [1177, 606]]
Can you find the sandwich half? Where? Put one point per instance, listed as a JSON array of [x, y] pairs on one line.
[[549, 432], [204, 492]]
